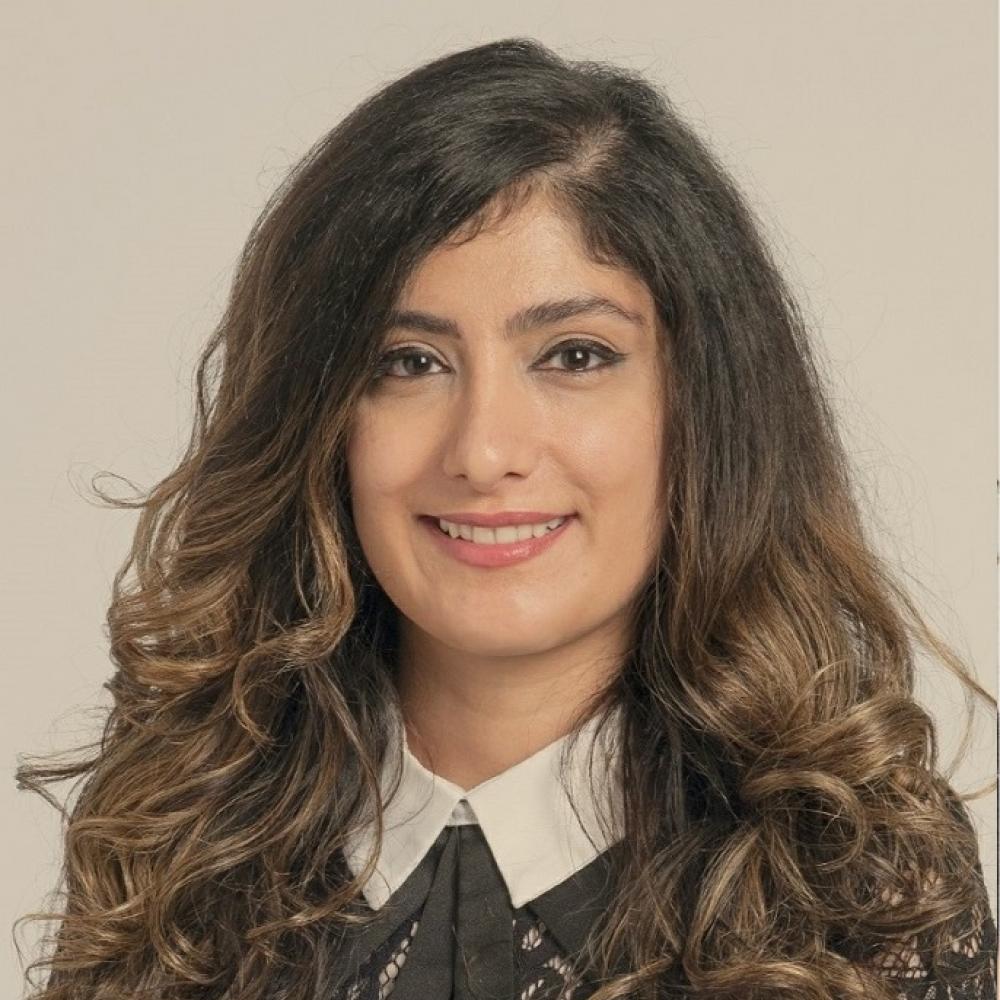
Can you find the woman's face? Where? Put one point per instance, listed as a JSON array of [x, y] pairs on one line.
[[479, 421]]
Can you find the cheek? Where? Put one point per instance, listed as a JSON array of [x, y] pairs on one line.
[[367, 450], [366, 471], [623, 469], [618, 454], [384, 458]]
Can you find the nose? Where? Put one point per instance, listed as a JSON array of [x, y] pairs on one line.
[[494, 430]]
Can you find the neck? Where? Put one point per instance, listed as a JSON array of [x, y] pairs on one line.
[[469, 717]]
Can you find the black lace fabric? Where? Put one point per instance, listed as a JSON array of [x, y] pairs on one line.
[[968, 970], [543, 973]]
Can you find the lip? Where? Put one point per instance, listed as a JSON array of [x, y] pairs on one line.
[[501, 517], [501, 554]]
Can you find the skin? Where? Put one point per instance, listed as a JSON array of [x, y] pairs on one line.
[[496, 662]]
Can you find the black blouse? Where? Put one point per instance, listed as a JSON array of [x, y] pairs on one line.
[[450, 933]]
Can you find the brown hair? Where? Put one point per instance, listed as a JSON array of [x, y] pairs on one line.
[[786, 819]]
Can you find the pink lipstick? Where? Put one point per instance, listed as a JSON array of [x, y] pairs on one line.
[[502, 553]]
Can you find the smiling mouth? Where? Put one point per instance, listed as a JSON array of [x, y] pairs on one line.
[[490, 548], [500, 534]]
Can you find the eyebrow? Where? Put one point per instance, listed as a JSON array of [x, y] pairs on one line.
[[524, 320]]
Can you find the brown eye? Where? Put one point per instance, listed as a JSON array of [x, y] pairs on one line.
[[578, 352], [394, 363]]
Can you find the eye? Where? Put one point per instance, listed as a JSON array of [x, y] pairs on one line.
[[389, 360], [573, 349]]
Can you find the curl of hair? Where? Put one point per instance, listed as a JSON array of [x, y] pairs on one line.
[[786, 820]]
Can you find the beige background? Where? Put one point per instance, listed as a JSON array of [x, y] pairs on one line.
[[141, 139]]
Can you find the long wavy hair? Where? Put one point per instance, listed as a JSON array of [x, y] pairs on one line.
[[786, 819]]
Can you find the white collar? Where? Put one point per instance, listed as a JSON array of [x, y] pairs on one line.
[[524, 813]]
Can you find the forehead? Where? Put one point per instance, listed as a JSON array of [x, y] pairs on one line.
[[531, 255]]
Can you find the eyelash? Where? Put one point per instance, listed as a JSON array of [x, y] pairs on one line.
[[609, 356]]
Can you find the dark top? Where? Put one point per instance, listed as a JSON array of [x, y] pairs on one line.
[[450, 933]]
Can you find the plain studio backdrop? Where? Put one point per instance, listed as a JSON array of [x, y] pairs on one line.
[[141, 141]]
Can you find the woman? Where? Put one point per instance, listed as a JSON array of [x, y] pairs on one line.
[[509, 627]]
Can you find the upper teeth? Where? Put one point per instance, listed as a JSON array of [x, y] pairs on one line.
[[500, 535]]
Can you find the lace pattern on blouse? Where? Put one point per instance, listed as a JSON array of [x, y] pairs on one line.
[[971, 961], [544, 973]]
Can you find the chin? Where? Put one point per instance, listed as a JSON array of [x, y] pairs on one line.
[[491, 642]]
